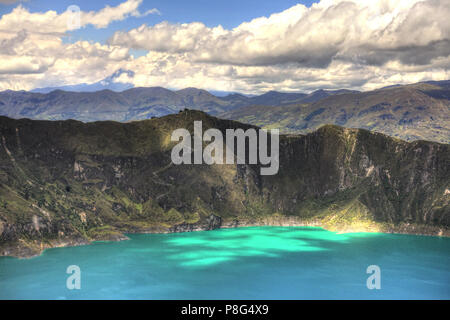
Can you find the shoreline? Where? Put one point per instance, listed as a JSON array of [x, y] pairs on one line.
[[215, 223]]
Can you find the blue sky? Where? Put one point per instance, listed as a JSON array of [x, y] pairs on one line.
[[251, 46]]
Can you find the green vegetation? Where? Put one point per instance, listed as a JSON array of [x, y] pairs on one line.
[[67, 182]]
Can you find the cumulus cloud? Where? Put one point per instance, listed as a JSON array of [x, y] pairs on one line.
[[368, 32], [33, 53], [105, 16], [50, 22], [351, 44], [25, 65]]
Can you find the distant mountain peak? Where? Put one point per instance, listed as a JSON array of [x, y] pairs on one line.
[[110, 79], [109, 83]]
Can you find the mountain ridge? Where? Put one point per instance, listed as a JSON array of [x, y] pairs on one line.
[[410, 112], [413, 112]]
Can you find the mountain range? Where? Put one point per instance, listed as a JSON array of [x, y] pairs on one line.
[[134, 103], [411, 112], [69, 182]]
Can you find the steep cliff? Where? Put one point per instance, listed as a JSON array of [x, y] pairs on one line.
[[68, 182]]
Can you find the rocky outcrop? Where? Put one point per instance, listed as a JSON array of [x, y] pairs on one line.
[[211, 222]]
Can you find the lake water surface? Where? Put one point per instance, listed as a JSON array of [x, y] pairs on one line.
[[241, 263]]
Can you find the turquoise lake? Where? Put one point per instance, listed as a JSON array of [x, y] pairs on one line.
[[241, 263]]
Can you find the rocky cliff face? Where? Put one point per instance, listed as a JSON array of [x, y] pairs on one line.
[[68, 182]]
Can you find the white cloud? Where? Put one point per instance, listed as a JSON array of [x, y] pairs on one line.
[[333, 44], [33, 54], [25, 64], [369, 32], [50, 22], [105, 16]]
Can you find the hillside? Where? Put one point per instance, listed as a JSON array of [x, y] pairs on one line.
[[413, 112], [68, 182], [134, 103]]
